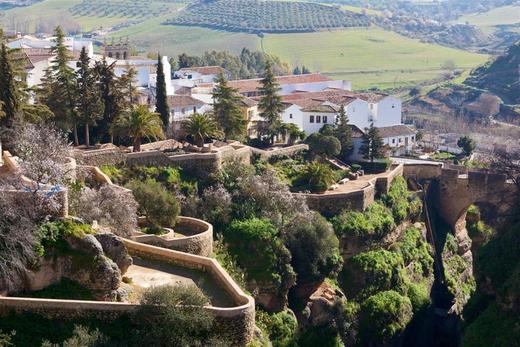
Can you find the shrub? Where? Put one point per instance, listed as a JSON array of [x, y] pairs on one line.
[[82, 336], [323, 145], [259, 250], [314, 248], [175, 316], [160, 207], [403, 204], [281, 327], [376, 221], [419, 297], [315, 177], [415, 249], [5, 339], [367, 273], [383, 316], [51, 235]]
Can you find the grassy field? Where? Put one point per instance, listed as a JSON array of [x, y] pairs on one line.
[[369, 58], [498, 16]]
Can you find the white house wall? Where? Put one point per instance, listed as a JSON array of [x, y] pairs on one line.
[[357, 113], [314, 127], [388, 112], [294, 115]]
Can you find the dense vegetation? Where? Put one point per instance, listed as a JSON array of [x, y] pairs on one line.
[[248, 64], [137, 9], [268, 16]]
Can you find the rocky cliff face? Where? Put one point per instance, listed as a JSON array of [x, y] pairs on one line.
[[96, 262]]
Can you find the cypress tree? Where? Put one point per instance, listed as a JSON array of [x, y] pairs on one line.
[[297, 71], [226, 110], [161, 103], [90, 105], [373, 146], [111, 97], [270, 104], [58, 89], [9, 95], [343, 133]]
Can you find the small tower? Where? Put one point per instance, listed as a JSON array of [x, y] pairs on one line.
[[117, 50]]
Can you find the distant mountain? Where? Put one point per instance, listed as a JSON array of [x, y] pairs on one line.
[[501, 76]]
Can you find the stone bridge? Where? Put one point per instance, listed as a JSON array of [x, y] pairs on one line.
[[455, 188]]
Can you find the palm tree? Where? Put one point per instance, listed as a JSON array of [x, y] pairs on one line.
[[200, 127], [317, 176], [137, 123]]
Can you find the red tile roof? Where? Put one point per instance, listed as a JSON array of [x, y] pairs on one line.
[[183, 101], [395, 130], [251, 85], [205, 70]]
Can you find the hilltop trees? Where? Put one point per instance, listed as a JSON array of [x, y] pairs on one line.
[[270, 103], [373, 146], [90, 105], [226, 110], [161, 103]]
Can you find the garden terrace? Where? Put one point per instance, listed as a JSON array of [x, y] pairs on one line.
[[268, 16]]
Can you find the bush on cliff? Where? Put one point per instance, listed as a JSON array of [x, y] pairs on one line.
[[259, 250], [175, 316], [160, 207], [281, 327], [370, 272], [314, 248], [376, 221], [403, 203], [384, 316], [315, 177]]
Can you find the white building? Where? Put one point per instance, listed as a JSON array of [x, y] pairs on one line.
[[203, 74], [399, 138], [314, 82]]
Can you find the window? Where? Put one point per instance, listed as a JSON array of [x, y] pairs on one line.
[[190, 77], [325, 119], [318, 119], [393, 141], [413, 138], [194, 109], [290, 115], [183, 111], [400, 140], [311, 119]]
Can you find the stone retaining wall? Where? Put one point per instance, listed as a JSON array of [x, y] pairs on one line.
[[100, 157], [288, 151], [332, 203], [200, 243], [237, 323]]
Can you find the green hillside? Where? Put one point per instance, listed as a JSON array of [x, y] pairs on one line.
[[505, 15], [370, 57]]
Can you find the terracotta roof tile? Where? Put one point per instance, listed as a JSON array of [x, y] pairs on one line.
[[251, 85], [395, 130], [183, 100]]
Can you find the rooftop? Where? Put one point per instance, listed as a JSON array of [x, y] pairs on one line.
[[183, 100], [205, 70], [395, 130], [251, 85]]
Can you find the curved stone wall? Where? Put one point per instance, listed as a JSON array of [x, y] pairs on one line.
[[200, 242]]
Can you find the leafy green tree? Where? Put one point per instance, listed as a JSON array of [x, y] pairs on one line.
[[259, 250], [373, 146], [200, 127], [138, 123], [90, 105], [226, 110], [161, 103], [297, 71], [343, 133], [384, 316], [467, 144], [270, 103], [128, 88], [58, 89], [160, 206], [294, 132], [314, 248], [323, 145], [10, 102]]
